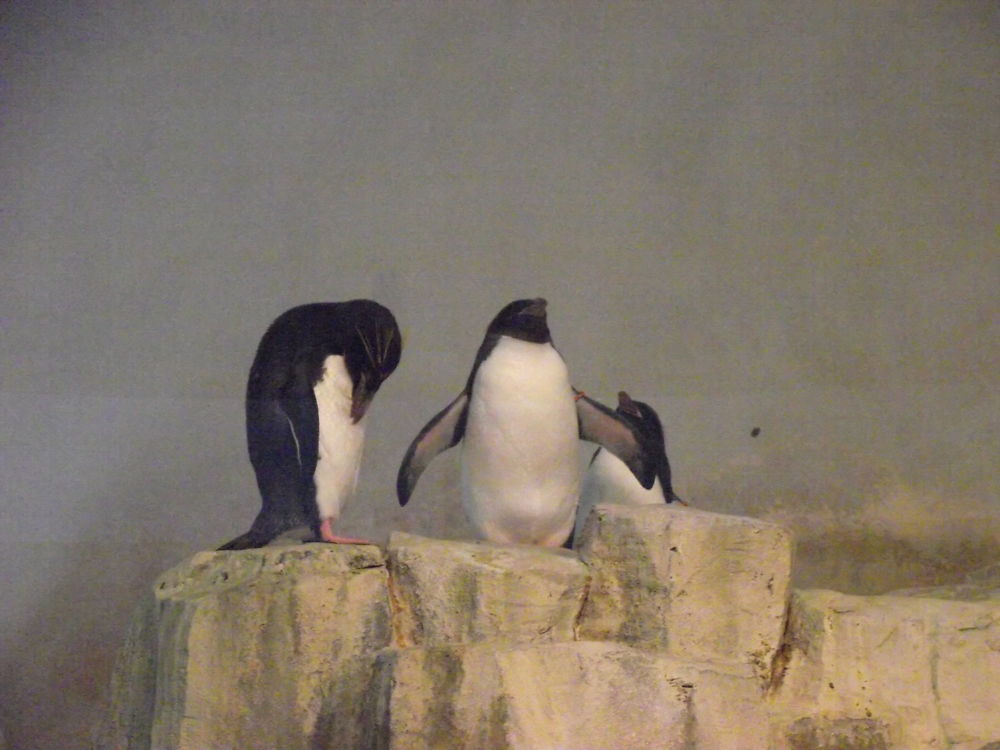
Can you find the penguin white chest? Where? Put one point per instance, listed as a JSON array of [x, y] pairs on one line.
[[609, 480], [340, 441], [520, 462]]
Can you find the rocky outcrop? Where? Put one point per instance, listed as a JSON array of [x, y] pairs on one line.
[[698, 586], [925, 671], [266, 648], [455, 592], [672, 628]]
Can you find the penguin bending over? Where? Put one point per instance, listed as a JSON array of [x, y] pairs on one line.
[[519, 421], [316, 371], [609, 481]]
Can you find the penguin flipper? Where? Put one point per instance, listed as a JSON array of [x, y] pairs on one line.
[[601, 425], [445, 429]]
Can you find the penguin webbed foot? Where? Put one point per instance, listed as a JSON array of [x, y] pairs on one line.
[[326, 535]]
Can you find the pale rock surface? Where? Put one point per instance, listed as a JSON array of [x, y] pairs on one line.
[[966, 655], [700, 586], [583, 695], [264, 648], [922, 672], [448, 592], [671, 633], [728, 706]]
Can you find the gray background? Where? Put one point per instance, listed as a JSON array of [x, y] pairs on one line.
[[761, 214]]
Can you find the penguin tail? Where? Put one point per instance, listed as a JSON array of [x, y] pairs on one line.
[[248, 540], [266, 526]]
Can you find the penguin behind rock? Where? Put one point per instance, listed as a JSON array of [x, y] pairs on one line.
[[316, 371], [519, 421], [609, 481]]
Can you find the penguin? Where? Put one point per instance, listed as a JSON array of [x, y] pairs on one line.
[[315, 373], [520, 421], [609, 481]]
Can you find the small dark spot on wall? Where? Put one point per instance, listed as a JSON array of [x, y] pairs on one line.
[[755, 432]]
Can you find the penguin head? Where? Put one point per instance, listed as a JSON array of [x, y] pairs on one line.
[[646, 423], [372, 353], [643, 418], [523, 319]]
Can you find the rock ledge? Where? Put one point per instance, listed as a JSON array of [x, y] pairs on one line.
[[672, 628]]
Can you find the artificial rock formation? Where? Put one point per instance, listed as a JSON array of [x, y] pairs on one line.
[[265, 648], [917, 671], [667, 630], [699, 586], [456, 592]]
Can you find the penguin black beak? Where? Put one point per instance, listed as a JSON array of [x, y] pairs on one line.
[[361, 400]]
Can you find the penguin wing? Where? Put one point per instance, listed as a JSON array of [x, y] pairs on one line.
[[302, 414], [601, 425], [444, 430], [283, 434]]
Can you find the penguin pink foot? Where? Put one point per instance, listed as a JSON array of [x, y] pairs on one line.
[[326, 533]]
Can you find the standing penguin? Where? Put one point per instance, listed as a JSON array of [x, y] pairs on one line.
[[519, 421], [609, 481], [316, 371]]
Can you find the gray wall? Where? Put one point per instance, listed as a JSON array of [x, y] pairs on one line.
[[774, 215]]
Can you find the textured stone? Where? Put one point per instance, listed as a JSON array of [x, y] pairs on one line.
[[565, 695], [728, 707], [927, 669], [585, 695], [701, 586], [463, 592], [261, 648], [464, 645], [966, 654], [837, 734], [965, 664], [133, 683]]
